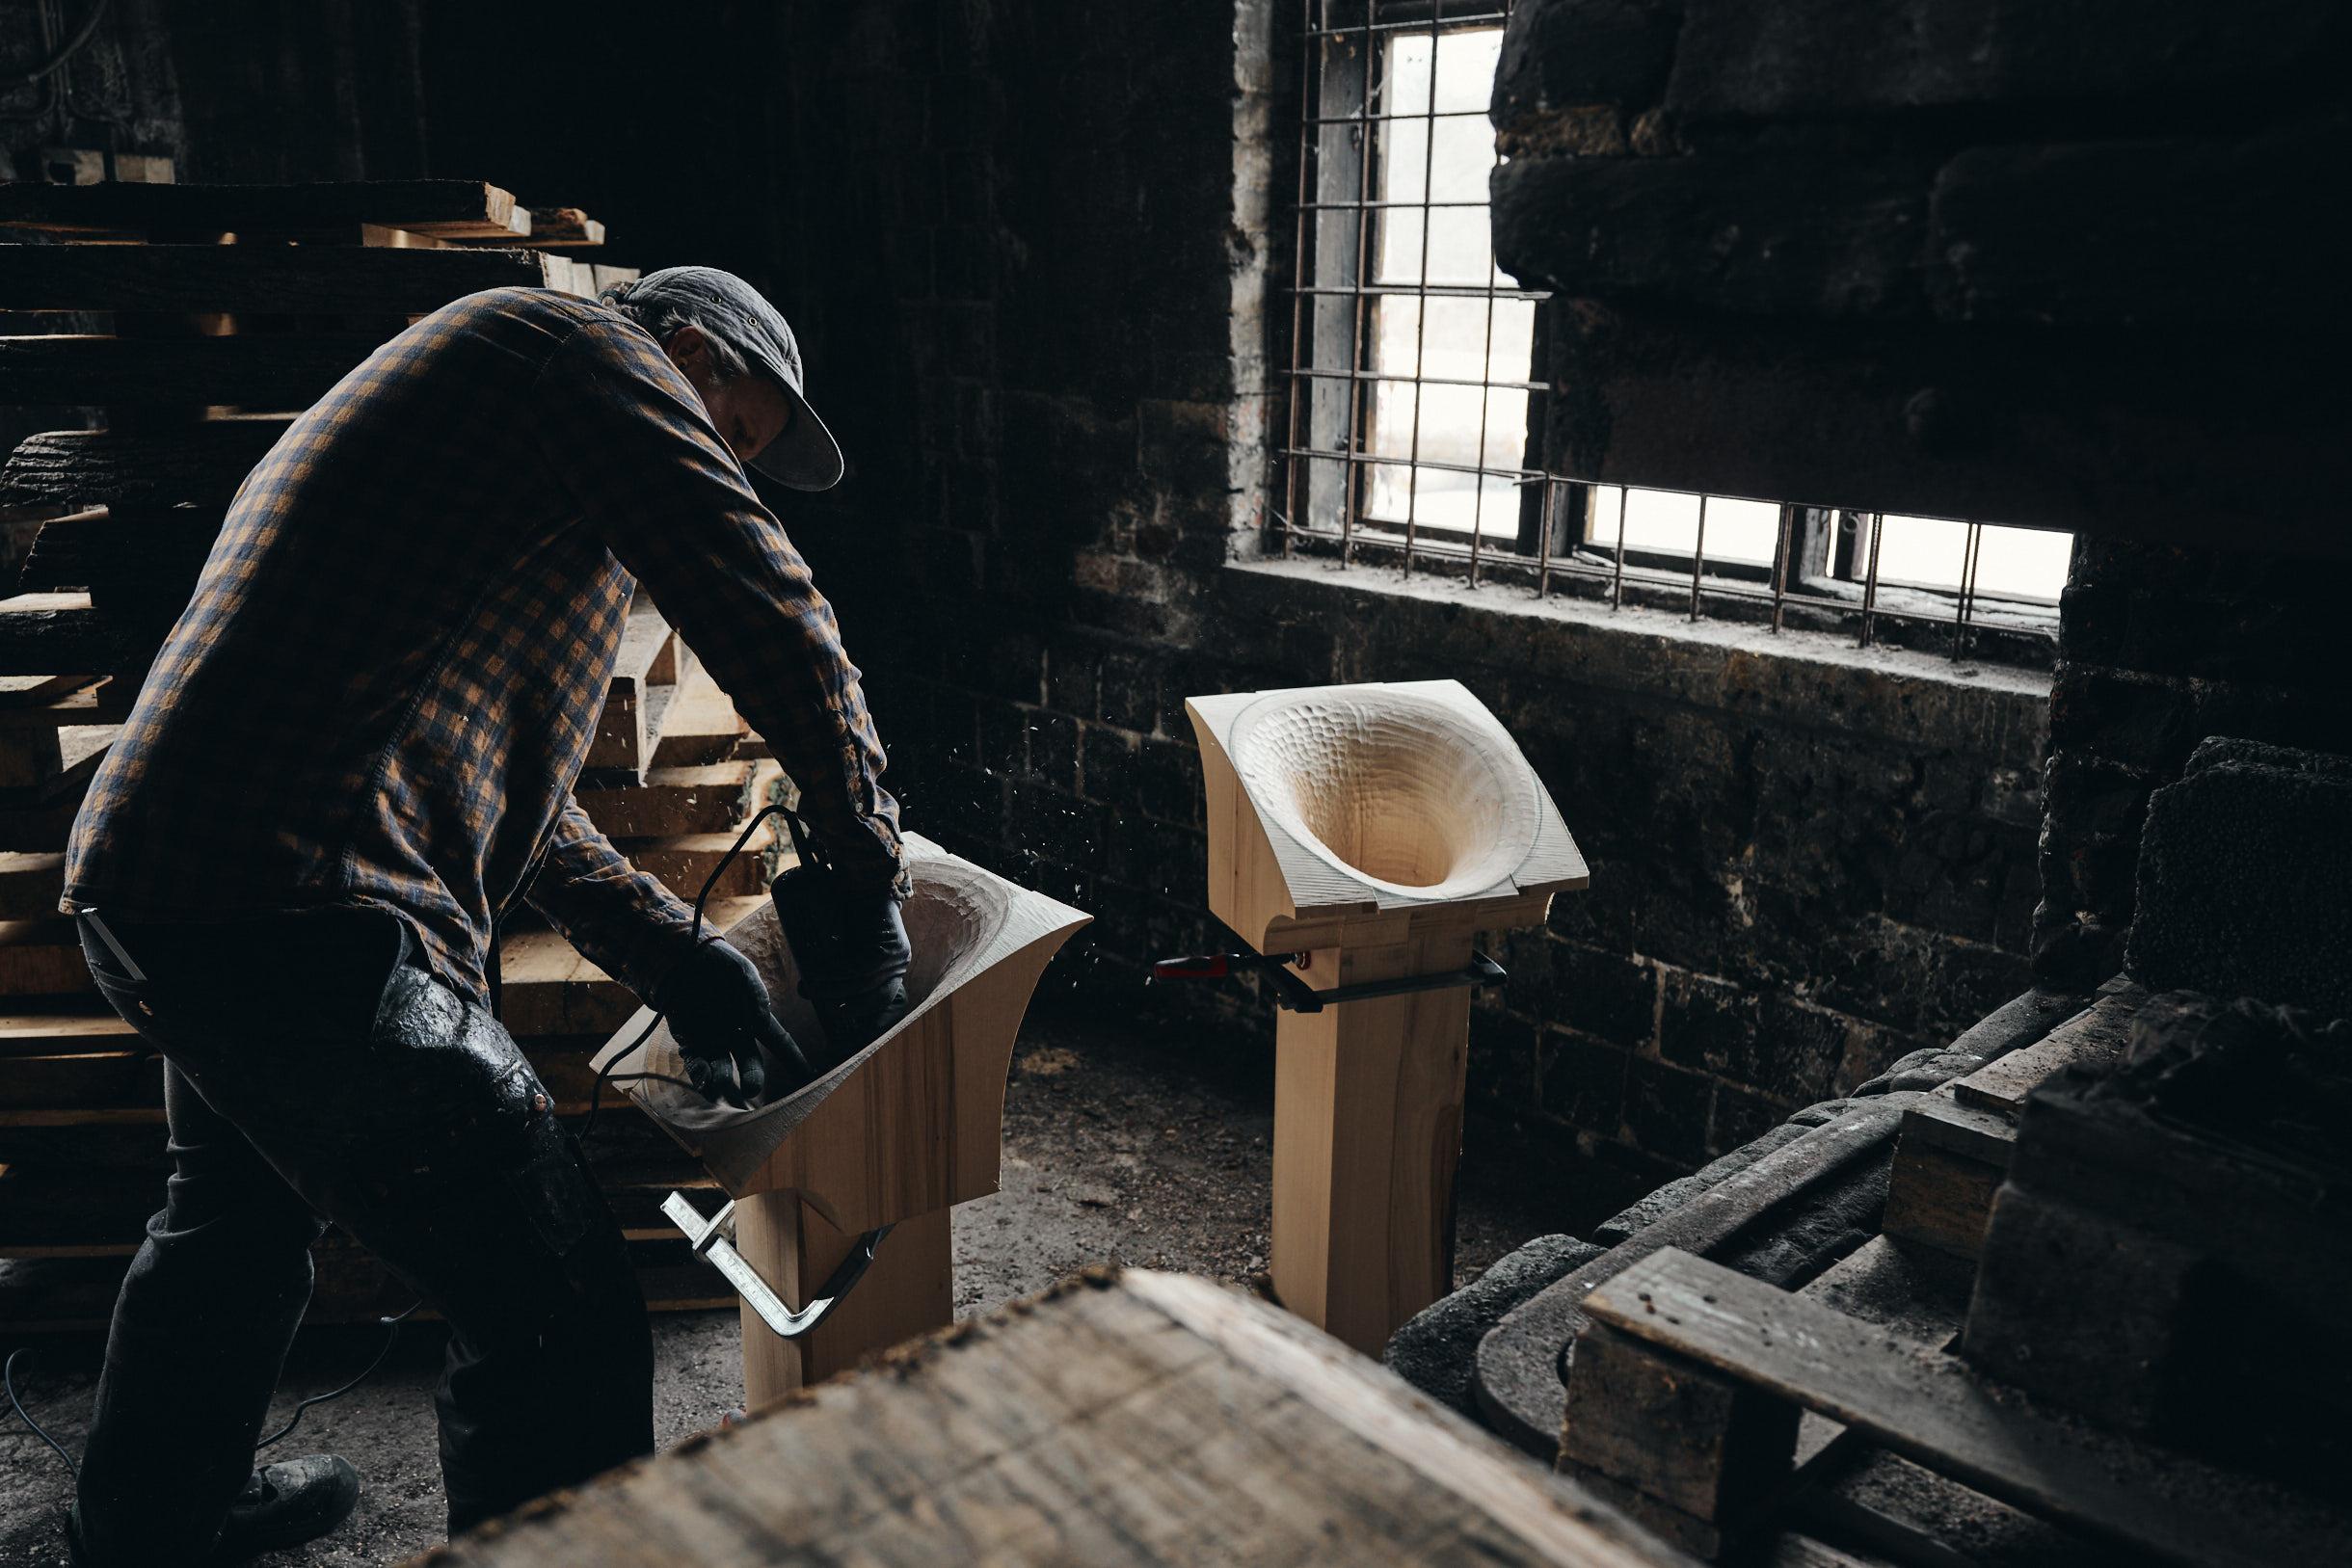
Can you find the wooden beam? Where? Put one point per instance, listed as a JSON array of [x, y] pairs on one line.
[[1933, 1409], [908, 1292], [97, 550], [564, 227], [676, 800], [2094, 1037], [442, 208], [279, 279], [250, 370], [31, 883], [45, 632], [200, 465], [629, 727], [1949, 1161]]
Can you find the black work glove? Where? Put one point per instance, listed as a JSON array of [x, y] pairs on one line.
[[718, 1012], [853, 955]]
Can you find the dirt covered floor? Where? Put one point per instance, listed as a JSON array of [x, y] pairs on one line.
[[1120, 1144]]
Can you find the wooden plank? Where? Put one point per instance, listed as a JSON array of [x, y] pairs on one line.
[[28, 756], [629, 726], [199, 466], [1933, 1409], [908, 1292], [702, 727], [564, 227], [1518, 1386], [2092, 1037], [80, 747], [82, 1080], [1154, 1421], [552, 990], [248, 369], [103, 552], [1368, 1106], [37, 693], [1698, 1442], [42, 958], [1949, 1161], [674, 801], [277, 280], [30, 1029], [686, 862], [31, 883], [441, 208]]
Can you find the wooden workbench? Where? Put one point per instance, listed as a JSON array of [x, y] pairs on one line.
[[1124, 1419]]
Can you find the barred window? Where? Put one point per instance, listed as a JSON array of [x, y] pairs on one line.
[[1415, 410]]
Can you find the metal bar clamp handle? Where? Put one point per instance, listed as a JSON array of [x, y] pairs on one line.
[[713, 1239]]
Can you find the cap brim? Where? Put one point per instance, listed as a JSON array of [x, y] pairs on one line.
[[806, 456]]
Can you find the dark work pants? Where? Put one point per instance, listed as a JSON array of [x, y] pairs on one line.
[[317, 1072]]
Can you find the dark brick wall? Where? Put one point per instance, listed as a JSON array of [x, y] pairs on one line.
[[2161, 647], [1038, 242], [1031, 246]]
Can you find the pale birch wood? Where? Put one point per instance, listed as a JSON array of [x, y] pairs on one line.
[[1375, 828], [908, 1292], [1333, 807], [897, 1136], [1368, 1109]]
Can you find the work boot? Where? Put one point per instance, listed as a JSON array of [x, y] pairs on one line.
[[282, 1505], [287, 1504]]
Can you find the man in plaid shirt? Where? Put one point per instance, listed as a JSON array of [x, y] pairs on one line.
[[353, 753]]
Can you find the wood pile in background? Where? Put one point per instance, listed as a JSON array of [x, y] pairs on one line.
[[232, 309]]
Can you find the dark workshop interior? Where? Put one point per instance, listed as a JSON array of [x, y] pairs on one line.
[[1628, 841]]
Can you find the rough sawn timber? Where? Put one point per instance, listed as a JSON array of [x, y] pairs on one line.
[[1933, 1409], [1149, 1420]]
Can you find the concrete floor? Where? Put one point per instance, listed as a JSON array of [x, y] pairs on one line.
[[1119, 1146]]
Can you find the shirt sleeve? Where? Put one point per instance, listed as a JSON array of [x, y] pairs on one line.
[[621, 919], [629, 436]]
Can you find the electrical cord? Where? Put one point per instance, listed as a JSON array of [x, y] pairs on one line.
[[391, 1337], [7, 1377], [606, 1073]]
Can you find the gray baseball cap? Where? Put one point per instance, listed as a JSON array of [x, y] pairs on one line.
[[806, 456]]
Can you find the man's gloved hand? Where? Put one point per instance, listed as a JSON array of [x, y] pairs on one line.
[[718, 1012], [853, 955]]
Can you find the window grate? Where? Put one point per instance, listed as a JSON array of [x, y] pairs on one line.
[[1417, 392]]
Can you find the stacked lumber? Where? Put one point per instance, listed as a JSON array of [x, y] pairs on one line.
[[219, 312], [1954, 1149]]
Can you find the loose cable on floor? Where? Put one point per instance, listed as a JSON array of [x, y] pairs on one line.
[[7, 1377], [391, 1337]]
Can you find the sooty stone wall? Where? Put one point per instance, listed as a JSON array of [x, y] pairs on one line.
[[2163, 646], [1039, 247]]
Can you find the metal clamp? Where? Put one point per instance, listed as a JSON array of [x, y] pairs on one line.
[[1295, 994], [713, 1240]]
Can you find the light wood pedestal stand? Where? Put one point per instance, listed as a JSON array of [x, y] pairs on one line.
[[1372, 832], [898, 1135]]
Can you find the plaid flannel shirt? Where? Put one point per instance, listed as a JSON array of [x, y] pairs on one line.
[[396, 655]]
